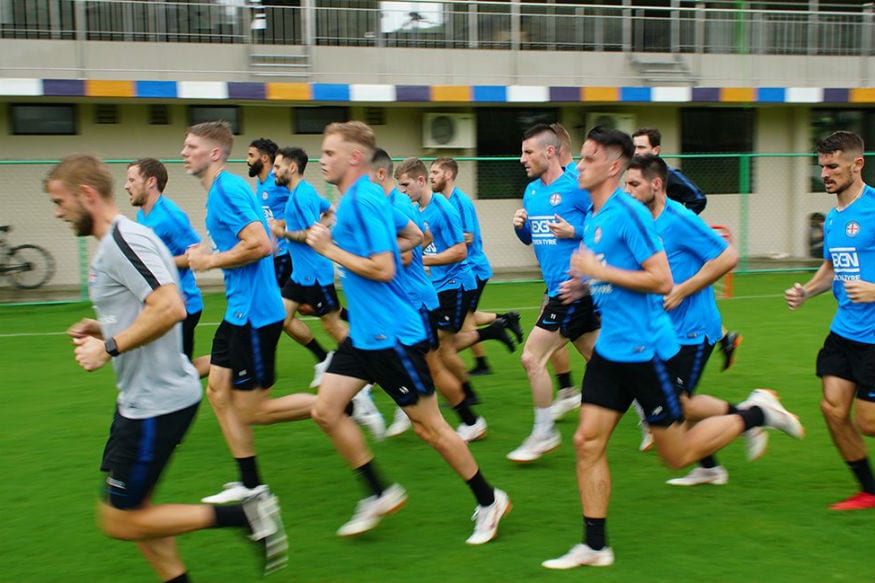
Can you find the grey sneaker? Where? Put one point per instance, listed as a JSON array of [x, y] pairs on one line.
[[266, 522], [371, 510], [473, 432], [699, 475], [581, 555], [535, 446]]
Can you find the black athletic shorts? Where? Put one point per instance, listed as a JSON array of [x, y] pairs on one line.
[[137, 452], [282, 266], [249, 352], [322, 298], [454, 306], [188, 326], [431, 330], [401, 370], [849, 360], [688, 364], [614, 385], [571, 320], [477, 294]]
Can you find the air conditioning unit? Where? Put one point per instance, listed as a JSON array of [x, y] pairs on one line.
[[448, 130], [625, 122]]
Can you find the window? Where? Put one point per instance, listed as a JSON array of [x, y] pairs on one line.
[[716, 131], [43, 119], [229, 113], [828, 120], [312, 120]]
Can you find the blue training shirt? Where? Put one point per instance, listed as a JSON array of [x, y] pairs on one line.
[[470, 224], [445, 225], [689, 244], [542, 202], [273, 199], [622, 234], [415, 281], [380, 313], [304, 208], [174, 229], [253, 295], [849, 243]]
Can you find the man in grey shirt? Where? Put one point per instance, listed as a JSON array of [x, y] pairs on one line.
[[134, 286]]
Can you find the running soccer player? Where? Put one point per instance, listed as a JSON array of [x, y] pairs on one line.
[[134, 286], [387, 340], [844, 364]]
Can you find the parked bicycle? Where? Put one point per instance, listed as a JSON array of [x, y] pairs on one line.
[[26, 266]]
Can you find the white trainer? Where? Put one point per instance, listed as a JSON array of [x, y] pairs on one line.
[[472, 432], [756, 441], [699, 475], [581, 555], [535, 446], [371, 510], [366, 414], [319, 370], [646, 437], [231, 492], [266, 522], [486, 519], [400, 423], [776, 416], [567, 400]]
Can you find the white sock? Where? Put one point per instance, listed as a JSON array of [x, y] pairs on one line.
[[543, 421]]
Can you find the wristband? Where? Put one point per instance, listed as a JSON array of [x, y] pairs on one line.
[[111, 348]]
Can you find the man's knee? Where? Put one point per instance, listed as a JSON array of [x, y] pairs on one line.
[[116, 523]]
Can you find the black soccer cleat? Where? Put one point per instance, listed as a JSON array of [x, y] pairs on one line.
[[728, 344], [512, 323]]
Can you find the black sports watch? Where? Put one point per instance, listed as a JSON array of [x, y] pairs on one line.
[[111, 347]]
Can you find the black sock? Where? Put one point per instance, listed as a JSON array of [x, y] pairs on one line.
[[344, 315], [230, 515], [564, 379], [752, 417], [480, 362], [466, 388], [708, 462], [863, 472], [350, 408], [180, 579], [465, 413], [594, 533], [731, 409], [317, 350], [248, 471], [368, 473], [484, 493]]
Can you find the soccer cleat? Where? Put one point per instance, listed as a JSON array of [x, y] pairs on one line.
[[512, 322], [756, 441], [231, 492], [699, 475], [500, 327], [646, 437], [366, 414], [486, 519], [400, 423], [480, 370], [371, 510], [319, 370], [473, 432], [776, 416], [567, 400], [859, 501], [581, 555], [265, 519], [728, 344], [535, 446]]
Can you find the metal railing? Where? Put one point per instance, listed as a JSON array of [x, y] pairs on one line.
[[682, 26]]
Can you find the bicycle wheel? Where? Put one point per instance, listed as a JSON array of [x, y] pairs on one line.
[[30, 266]]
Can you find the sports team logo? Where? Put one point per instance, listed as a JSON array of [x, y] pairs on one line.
[[555, 199], [598, 234], [852, 229], [264, 195]]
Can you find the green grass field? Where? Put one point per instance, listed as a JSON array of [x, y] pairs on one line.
[[769, 524]]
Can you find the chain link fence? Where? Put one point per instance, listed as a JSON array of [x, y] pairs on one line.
[[773, 205]]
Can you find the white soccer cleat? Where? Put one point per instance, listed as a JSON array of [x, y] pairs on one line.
[[535, 446], [366, 414], [231, 492], [567, 400], [581, 555], [486, 519], [699, 475], [371, 510], [756, 441], [265, 519], [400, 423], [473, 432], [319, 370], [776, 416], [646, 437]]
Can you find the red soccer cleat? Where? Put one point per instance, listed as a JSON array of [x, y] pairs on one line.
[[858, 501]]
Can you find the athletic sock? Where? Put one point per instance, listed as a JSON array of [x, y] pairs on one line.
[[468, 390], [349, 409], [465, 414], [344, 315], [317, 350], [708, 462], [180, 579], [564, 379], [248, 471], [484, 493], [731, 409], [543, 421], [594, 533], [724, 342], [752, 417], [368, 473], [863, 472], [230, 515], [480, 362]]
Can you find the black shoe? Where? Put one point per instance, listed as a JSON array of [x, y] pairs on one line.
[[512, 323], [728, 344], [479, 370], [501, 326]]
